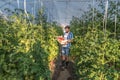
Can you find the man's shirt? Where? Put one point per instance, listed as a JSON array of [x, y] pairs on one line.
[[68, 36]]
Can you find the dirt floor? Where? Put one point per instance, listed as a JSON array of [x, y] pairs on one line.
[[60, 73]]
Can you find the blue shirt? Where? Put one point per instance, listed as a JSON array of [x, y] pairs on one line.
[[69, 37]]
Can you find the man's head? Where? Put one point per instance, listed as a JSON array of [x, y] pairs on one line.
[[67, 29]]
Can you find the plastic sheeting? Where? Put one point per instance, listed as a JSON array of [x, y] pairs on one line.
[[61, 11]]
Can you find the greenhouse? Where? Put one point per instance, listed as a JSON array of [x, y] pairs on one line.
[[59, 39]]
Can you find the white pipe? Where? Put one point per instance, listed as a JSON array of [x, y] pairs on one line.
[[25, 9], [41, 3], [105, 17], [25, 6], [18, 4]]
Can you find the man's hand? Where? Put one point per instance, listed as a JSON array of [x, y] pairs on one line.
[[69, 41], [60, 39]]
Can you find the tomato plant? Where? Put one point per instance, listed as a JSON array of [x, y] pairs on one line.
[[26, 49], [96, 57], [96, 52]]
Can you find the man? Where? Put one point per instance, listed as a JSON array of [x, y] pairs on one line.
[[68, 38]]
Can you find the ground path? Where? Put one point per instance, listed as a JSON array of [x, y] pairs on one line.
[[63, 74]]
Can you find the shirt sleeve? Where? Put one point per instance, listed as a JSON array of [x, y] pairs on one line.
[[71, 35]]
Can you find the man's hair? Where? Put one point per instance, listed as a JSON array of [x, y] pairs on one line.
[[67, 27]]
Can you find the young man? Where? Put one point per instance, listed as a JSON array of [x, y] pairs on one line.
[[68, 38]]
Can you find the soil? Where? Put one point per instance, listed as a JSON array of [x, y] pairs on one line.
[[59, 73]]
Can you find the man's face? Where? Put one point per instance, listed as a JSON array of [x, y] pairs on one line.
[[67, 30]]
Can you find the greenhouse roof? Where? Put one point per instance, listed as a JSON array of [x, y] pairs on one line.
[[61, 11]]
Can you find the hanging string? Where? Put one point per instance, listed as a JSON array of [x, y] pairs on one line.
[[116, 18], [41, 3], [55, 6], [115, 25], [52, 11], [93, 13], [32, 11], [34, 8], [51, 18], [66, 12]]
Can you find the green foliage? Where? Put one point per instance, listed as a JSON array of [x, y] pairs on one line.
[[97, 54], [26, 50], [97, 58], [41, 17]]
